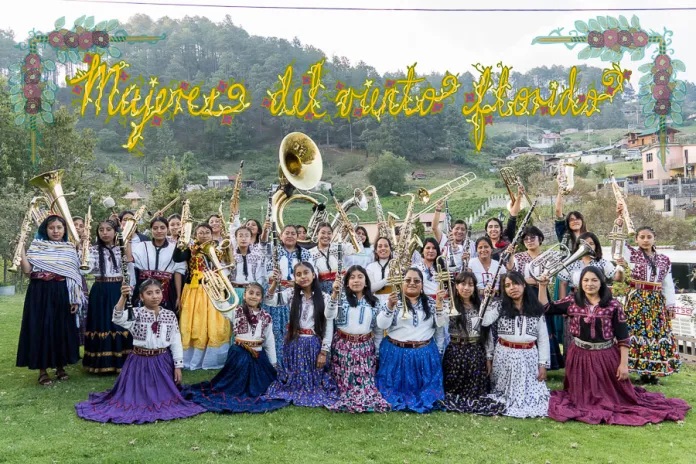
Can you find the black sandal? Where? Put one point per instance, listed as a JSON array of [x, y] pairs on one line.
[[61, 375], [45, 380]]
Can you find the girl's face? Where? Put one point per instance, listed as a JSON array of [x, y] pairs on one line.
[[55, 231], [243, 238], [175, 227], [356, 281], [413, 285], [513, 289], [483, 249], [289, 237], [251, 225], [383, 249], [203, 234], [301, 233], [493, 230], [151, 296], [79, 226], [645, 239], [159, 231], [303, 276], [466, 289], [216, 224], [325, 236], [360, 235], [590, 284], [531, 242], [459, 232], [107, 234], [591, 243], [429, 252], [575, 223], [253, 296]]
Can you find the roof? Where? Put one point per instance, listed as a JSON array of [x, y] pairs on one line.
[[218, 178], [670, 130], [132, 196]]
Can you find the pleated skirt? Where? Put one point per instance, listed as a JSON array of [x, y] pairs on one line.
[[205, 332]]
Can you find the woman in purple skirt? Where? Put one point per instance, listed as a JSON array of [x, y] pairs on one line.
[[146, 390], [597, 388], [304, 378]]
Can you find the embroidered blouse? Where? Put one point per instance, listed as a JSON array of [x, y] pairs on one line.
[[307, 313], [520, 329], [259, 327], [484, 276], [378, 272], [470, 315], [572, 274], [152, 332], [148, 257], [287, 260], [415, 328], [255, 267], [365, 257], [456, 249], [430, 283], [642, 269], [111, 269], [356, 320], [592, 323], [327, 260], [521, 260]]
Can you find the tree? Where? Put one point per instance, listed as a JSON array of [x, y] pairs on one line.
[[388, 173], [525, 166], [559, 147]]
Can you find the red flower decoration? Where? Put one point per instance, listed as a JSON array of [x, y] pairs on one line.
[[357, 112], [663, 62], [222, 86], [627, 74], [156, 121], [183, 85], [124, 76], [72, 40], [306, 80], [87, 58], [581, 98], [489, 119], [32, 76], [309, 116], [625, 38], [610, 90], [661, 92], [437, 107], [611, 37], [469, 97], [390, 83], [32, 91], [55, 39], [595, 39], [85, 40], [32, 106], [77, 90], [100, 39], [266, 103], [661, 77], [662, 107], [32, 61], [640, 39], [544, 110], [340, 85], [227, 120]]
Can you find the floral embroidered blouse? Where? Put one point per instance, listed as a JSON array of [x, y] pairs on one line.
[[592, 323]]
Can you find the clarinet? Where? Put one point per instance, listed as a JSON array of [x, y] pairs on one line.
[[276, 261], [504, 257], [339, 269], [124, 274]]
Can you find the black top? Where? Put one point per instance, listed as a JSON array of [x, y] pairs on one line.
[[591, 323]]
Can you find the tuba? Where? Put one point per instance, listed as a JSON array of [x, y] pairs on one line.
[[49, 184], [450, 188], [566, 180], [556, 259], [186, 227], [215, 283]]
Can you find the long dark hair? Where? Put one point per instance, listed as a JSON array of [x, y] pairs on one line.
[[296, 307], [42, 233], [605, 295], [101, 246], [367, 292], [435, 244], [583, 229], [391, 248], [424, 299], [597, 246], [366, 243], [460, 320], [245, 306], [530, 303], [259, 228], [298, 249]]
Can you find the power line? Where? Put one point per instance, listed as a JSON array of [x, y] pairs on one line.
[[380, 9]]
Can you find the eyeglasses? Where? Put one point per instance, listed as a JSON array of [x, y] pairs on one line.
[[530, 238], [412, 281]]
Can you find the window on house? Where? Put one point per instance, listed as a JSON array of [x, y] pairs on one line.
[[648, 157], [686, 155], [650, 173]]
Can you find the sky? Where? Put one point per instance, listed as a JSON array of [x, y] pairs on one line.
[[391, 41]]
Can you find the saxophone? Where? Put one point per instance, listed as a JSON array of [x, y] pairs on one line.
[[234, 201], [84, 263], [24, 230], [225, 244], [402, 257], [186, 227], [623, 225], [383, 229]]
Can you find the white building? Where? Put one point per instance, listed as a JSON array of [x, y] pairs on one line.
[[595, 158]]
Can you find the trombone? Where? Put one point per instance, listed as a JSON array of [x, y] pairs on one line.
[[450, 188]]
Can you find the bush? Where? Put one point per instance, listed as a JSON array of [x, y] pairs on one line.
[[109, 141], [389, 173]]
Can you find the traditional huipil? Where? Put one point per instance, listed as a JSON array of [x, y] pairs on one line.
[[107, 345], [280, 310], [248, 371], [354, 356], [410, 370], [466, 380], [49, 336], [455, 250], [430, 283], [484, 275], [325, 263], [205, 332], [364, 258], [250, 267], [157, 262], [378, 272], [145, 390], [571, 274], [299, 380], [653, 350], [523, 346], [591, 392]]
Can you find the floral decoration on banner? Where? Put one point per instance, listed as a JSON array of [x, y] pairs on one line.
[[661, 94]]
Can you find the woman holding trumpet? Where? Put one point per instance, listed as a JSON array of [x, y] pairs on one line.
[[410, 370], [378, 270]]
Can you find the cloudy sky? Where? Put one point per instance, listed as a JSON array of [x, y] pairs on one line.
[[392, 40]]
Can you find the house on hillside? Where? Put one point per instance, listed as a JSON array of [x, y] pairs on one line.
[[550, 138], [679, 162], [418, 175], [640, 139], [569, 131], [134, 198], [594, 158], [220, 182]]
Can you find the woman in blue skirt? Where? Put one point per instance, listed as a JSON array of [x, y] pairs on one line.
[[410, 370]]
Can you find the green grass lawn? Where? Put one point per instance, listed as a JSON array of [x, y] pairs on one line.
[[39, 425]]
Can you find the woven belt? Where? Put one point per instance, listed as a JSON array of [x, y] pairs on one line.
[[387, 290], [108, 279], [465, 340], [517, 346], [148, 352], [593, 346], [641, 285], [47, 276], [307, 332], [355, 338], [327, 276], [418, 344], [249, 343]]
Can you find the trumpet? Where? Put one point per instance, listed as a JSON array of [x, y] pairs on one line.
[[444, 279], [556, 259], [512, 182], [450, 188], [186, 227], [215, 283]]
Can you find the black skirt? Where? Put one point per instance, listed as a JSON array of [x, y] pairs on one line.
[[49, 336]]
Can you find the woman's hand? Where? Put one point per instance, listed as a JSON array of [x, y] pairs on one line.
[[542, 374], [440, 297], [336, 288], [321, 360], [177, 375], [125, 290], [177, 305], [275, 276], [622, 372], [489, 367], [392, 300], [73, 308]]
